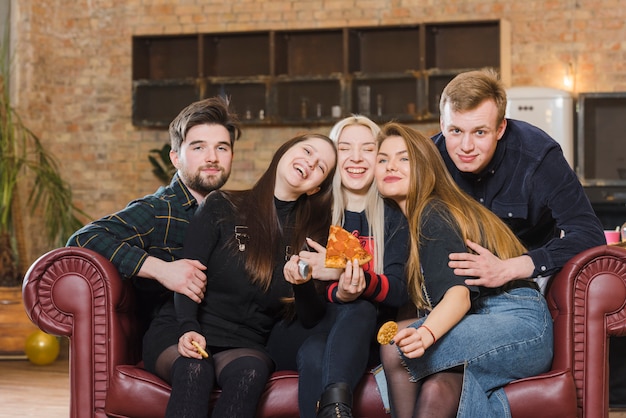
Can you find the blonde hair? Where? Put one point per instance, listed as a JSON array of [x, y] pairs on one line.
[[430, 182], [374, 204]]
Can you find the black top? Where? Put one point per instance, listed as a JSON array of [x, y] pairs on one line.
[[236, 312], [388, 288], [439, 239]]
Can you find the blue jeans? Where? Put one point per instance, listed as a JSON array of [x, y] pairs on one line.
[[507, 336], [336, 350]]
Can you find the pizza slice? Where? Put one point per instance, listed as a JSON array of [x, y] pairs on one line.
[[343, 247]]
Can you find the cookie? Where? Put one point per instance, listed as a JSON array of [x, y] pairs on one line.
[[386, 332]]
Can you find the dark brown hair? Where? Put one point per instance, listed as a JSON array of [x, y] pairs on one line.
[[257, 211], [211, 111]]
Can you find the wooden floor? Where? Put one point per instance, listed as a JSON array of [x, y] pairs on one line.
[[27, 390]]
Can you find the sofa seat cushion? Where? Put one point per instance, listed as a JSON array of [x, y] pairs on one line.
[[548, 395], [137, 393]]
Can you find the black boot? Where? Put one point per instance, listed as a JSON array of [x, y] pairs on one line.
[[336, 402]]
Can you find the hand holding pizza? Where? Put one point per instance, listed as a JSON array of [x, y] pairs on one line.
[[351, 282], [344, 251]]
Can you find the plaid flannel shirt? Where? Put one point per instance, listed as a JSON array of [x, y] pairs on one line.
[[154, 225]]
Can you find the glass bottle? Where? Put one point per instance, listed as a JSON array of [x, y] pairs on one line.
[[303, 108]]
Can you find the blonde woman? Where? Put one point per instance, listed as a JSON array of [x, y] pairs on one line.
[[490, 336], [332, 357]]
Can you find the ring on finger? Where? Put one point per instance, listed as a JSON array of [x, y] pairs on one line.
[[354, 284]]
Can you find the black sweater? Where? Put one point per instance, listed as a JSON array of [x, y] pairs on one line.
[[235, 312]]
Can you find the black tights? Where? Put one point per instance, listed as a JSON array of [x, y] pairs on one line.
[[437, 395], [192, 381], [241, 373]]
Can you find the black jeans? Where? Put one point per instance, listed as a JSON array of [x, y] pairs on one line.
[[335, 350]]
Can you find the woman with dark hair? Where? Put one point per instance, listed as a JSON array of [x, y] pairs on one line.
[[246, 240], [487, 336]]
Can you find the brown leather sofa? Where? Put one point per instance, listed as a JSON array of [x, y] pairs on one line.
[[76, 293]]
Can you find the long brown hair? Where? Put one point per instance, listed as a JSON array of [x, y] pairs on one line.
[[431, 182], [256, 209]]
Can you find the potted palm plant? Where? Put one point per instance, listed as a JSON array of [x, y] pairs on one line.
[[25, 165]]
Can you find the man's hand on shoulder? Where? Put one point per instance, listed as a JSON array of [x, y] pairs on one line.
[[489, 270], [183, 276]]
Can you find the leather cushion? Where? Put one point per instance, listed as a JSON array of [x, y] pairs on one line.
[[548, 395], [134, 392]]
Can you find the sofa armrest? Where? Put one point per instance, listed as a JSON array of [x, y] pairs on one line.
[[77, 293], [587, 299]]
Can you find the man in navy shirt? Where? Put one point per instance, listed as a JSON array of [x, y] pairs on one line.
[[519, 172]]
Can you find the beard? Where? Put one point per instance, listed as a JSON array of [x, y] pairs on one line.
[[205, 184]]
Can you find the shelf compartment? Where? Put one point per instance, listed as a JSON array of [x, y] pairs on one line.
[[463, 45], [385, 49], [277, 70], [309, 53], [389, 98], [156, 104], [165, 57], [298, 100], [435, 84], [248, 98], [224, 55]]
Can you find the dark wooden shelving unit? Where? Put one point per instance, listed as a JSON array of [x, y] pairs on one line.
[[299, 76]]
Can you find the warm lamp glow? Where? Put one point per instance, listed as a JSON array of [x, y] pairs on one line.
[[568, 78]]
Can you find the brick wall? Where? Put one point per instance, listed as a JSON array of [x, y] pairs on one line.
[[72, 70]]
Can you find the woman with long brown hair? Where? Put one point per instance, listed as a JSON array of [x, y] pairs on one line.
[[488, 336], [246, 240]]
